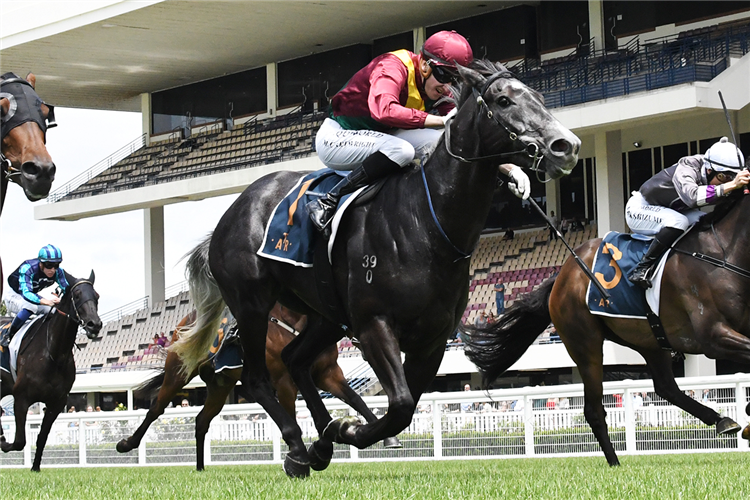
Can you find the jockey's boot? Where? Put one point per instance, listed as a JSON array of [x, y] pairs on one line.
[[375, 166], [16, 325], [641, 274]]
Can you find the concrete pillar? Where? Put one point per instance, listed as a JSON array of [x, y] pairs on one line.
[[420, 35], [610, 204], [552, 192], [698, 365], [272, 88], [596, 22], [153, 225], [146, 116]]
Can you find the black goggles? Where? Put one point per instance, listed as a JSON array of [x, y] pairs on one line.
[[50, 265], [443, 74]]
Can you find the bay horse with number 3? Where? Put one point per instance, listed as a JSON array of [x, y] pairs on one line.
[[415, 237], [703, 309], [23, 155], [325, 371]]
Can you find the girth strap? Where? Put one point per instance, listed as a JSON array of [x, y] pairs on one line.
[[654, 321]]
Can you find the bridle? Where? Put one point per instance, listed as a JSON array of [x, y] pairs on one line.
[[531, 149], [7, 169], [80, 321]]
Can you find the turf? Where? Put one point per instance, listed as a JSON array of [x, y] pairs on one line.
[[687, 476]]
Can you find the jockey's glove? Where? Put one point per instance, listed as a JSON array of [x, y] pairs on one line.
[[518, 183], [448, 117]]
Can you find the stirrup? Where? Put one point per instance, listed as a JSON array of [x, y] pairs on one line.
[[641, 277], [321, 213]]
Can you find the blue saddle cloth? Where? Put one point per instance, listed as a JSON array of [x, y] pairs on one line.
[[290, 234], [226, 352], [618, 254]]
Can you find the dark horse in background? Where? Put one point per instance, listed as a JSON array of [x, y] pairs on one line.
[[23, 156], [400, 265], [703, 309], [45, 367], [325, 372]]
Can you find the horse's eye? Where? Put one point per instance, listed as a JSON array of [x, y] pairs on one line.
[[503, 102]]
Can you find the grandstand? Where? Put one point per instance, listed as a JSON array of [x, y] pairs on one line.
[[640, 92]]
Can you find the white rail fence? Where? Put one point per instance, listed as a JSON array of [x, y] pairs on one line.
[[525, 422]]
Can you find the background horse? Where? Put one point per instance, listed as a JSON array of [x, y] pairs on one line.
[[45, 367], [23, 156], [400, 265], [325, 371], [703, 310]]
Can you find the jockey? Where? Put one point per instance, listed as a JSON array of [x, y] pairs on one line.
[[28, 280], [667, 204], [389, 113]]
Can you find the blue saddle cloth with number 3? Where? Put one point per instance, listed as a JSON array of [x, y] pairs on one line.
[[618, 254]]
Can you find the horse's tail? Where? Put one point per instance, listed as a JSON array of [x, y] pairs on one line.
[[494, 348], [196, 339], [149, 389]]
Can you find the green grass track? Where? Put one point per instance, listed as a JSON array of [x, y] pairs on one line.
[[686, 476]]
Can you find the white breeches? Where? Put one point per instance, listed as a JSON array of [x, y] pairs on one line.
[[15, 302], [341, 149], [643, 218]]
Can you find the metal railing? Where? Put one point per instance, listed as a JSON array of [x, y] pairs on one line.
[[97, 169], [524, 422]]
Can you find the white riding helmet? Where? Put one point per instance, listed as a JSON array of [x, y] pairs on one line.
[[724, 156]]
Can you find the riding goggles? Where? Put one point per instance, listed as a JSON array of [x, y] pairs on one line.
[[443, 74], [50, 265]]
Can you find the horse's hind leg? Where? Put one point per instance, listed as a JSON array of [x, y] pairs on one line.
[[584, 340], [328, 376], [172, 384], [252, 324], [50, 414], [660, 363], [217, 395]]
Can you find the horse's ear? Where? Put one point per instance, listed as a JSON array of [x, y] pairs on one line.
[[473, 78], [92, 277], [31, 78], [4, 106]]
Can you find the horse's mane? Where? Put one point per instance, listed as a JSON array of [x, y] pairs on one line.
[[720, 210]]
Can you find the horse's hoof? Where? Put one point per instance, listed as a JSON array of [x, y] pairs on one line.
[[746, 433], [122, 446], [392, 443], [341, 430], [320, 455], [727, 426], [296, 469]]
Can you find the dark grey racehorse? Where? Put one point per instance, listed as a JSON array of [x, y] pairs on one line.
[[400, 266], [45, 368]]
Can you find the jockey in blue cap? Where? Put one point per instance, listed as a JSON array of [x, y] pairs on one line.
[[31, 277]]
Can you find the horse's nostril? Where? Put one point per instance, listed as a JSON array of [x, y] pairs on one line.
[[561, 146], [30, 169]]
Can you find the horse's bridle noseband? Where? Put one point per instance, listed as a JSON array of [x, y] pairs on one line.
[[530, 149]]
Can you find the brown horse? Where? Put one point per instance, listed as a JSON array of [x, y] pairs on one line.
[[325, 371], [704, 296], [23, 156], [45, 367]]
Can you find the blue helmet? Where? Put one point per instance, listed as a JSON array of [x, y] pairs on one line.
[[50, 253]]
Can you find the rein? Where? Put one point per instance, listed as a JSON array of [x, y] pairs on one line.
[[720, 263]]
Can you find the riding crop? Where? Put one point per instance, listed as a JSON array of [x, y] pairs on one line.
[[580, 263]]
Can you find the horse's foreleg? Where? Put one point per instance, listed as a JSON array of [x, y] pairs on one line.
[[328, 376], [217, 395], [50, 414], [381, 349], [20, 408], [172, 384], [660, 364]]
